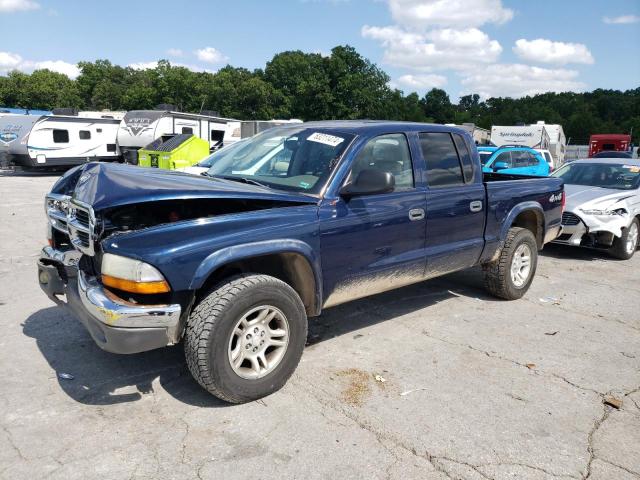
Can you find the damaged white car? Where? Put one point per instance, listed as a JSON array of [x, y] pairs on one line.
[[602, 205]]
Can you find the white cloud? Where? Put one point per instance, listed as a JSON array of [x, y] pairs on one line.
[[210, 55], [422, 82], [12, 61], [143, 65], [154, 64], [546, 51], [441, 49], [622, 19], [422, 14], [9, 61], [69, 69], [517, 80], [10, 6], [175, 52]]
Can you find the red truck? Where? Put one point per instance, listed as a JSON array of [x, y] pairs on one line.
[[617, 142]]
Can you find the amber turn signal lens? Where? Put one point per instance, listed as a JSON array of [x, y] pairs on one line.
[[135, 287]]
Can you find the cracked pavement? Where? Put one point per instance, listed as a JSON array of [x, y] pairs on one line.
[[475, 388]]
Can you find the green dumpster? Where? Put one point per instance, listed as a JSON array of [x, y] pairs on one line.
[[173, 151]]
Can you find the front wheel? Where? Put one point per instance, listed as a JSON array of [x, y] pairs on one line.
[[625, 246], [510, 276], [244, 339]]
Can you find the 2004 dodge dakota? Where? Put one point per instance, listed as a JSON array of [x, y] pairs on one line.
[[296, 219]]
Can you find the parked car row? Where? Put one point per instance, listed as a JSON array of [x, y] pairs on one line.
[[300, 218]]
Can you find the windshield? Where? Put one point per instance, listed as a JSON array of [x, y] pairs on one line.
[[604, 175], [208, 161], [484, 156], [294, 158]]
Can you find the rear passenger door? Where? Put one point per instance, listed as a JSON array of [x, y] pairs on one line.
[[455, 203]]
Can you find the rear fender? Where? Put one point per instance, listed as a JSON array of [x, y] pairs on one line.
[[513, 214]]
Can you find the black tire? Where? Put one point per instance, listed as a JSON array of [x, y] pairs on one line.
[[209, 329], [497, 274], [619, 248]]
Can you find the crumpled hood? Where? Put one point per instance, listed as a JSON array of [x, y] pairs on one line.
[[106, 185], [587, 197]]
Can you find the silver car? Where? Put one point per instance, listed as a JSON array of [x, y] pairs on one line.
[[602, 205]]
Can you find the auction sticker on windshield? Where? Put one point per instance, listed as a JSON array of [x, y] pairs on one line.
[[325, 138]]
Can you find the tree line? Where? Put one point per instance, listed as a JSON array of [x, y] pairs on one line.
[[310, 86]]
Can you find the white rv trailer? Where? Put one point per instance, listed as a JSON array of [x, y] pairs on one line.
[[481, 136], [118, 115], [57, 140], [557, 141], [139, 128], [534, 136]]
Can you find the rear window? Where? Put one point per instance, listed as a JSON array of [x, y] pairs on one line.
[[465, 157], [441, 156]]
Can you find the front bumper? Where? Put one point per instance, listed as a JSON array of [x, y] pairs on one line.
[[116, 325], [589, 232]]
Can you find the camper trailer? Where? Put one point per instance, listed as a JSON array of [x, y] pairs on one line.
[[141, 127], [557, 141], [533, 136], [118, 115], [481, 136], [55, 140]]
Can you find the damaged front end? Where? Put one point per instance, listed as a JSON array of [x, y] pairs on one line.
[[593, 228], [127, 305]]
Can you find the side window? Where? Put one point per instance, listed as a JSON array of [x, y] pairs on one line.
[[504, 157], [443, 164], [85, 135], [187, 130], [60, 136], [534, 161], [520, 159], [465, 157], [389, 153]]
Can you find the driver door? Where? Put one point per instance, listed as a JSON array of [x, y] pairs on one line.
[[373, 243]]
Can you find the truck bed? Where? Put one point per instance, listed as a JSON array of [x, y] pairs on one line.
[[504, 192]]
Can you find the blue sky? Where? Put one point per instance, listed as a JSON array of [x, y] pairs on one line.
[[492, 47]]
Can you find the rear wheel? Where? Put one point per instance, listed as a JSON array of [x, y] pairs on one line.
[[625, 246], [244, 339], [510, 276]]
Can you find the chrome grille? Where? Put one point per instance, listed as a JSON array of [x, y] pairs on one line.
[[569, 218], [80, 224], [56, 208]]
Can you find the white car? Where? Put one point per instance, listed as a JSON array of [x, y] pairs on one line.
[[602, 205], [546, 154]]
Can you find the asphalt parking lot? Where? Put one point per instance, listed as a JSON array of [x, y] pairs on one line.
[[433, 381]]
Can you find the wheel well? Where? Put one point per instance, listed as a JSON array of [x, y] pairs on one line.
[[533, 221], [291, 268]]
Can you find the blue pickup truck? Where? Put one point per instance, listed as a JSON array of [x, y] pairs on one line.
[[298, 219]]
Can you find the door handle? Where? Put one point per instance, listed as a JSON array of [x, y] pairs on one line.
[[416, 214], [475, 206]]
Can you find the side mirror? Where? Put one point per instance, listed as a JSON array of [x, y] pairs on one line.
[[369, 182], [500, 166]]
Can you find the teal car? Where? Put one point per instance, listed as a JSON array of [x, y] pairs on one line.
[[513, 160]]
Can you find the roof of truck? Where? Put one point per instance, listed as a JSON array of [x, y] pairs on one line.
[[373, 126]]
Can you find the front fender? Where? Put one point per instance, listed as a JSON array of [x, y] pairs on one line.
[[243, 251]]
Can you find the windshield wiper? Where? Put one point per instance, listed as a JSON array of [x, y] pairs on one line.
[[233, 178]]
